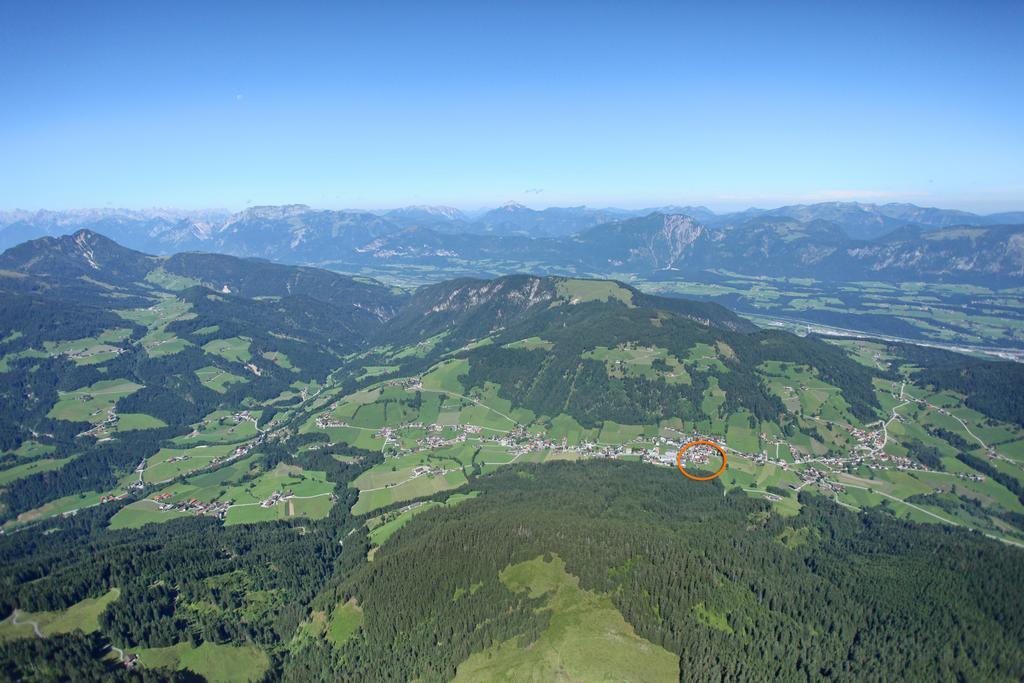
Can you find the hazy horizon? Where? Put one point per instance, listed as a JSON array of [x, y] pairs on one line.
[[715, 207]]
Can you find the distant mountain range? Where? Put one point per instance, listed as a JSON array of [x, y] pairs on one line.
[[827, 241]]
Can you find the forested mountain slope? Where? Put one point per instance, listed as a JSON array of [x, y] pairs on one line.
[[296, 474], [733, 591], [92, 331], [166, 328], [87, 263]]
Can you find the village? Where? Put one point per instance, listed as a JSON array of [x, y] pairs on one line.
[[105, 426], [218, 509], [867, 449]]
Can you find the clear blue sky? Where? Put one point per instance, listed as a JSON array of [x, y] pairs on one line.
[[376, 103]]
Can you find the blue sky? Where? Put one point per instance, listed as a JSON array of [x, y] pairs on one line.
[[376, 104]]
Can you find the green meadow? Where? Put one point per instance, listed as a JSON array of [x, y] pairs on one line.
[[235, 349], [90, 404], [586, 639], [216, 663]]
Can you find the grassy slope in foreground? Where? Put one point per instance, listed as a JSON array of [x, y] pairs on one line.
[[215, 663], [83, 616], [587, 638]]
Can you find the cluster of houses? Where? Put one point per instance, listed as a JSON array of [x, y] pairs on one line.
[[867, 439], [138, 483], [275, 497], [463, 433], [434, 438], [816, 477], [108, 424], [239, 418], [239, 452], [93, 351], [421, 470], [326, 421], [520, 441], [111, 499], [216, 509]]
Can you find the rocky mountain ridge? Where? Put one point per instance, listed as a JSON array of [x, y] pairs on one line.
[[826, 241]]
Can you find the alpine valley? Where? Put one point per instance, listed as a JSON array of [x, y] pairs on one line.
[[246, 465], [946, 278]]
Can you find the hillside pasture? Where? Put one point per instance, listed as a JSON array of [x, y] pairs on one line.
[[217, 379], [90, 404], [233, 349]]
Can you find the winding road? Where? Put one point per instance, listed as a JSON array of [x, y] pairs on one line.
[[35, 625]]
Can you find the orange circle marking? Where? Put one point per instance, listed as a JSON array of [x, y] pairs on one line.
[[686, 447]]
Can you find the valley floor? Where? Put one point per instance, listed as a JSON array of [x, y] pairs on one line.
[[435, 435]]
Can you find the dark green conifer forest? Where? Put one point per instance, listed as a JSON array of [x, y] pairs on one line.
[[855, 597]]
